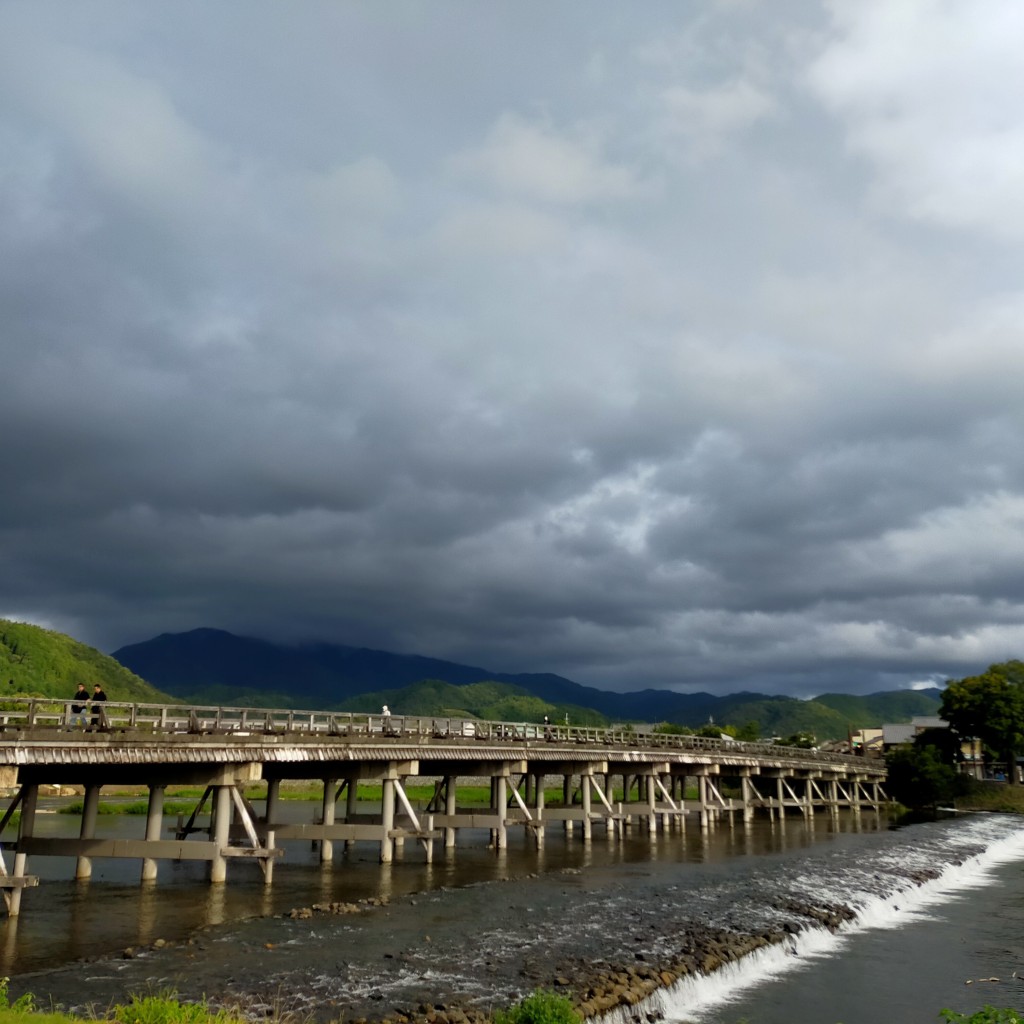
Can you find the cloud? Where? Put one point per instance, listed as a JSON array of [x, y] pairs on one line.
[[927, 91], [707, 119], [531, 160], [655, 351]]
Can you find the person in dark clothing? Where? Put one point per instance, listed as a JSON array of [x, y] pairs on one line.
[[80, 703], [98, 696]]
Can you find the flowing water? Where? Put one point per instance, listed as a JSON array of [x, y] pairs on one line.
[[939, 905]]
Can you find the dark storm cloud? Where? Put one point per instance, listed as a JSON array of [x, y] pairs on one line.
[[659, 347]]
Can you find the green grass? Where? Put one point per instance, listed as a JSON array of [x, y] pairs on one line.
[[992, 796], [986, 1015], [466, 796], [165, 1009]]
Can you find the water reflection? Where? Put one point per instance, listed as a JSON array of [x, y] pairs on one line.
[[64, 920]]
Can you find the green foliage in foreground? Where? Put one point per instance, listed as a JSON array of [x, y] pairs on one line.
[[539, 1008], [154, 1009], [165, 1009], [986, 1015], [24, 1004]]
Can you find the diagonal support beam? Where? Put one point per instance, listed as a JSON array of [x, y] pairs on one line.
[[665, 793], [596, 787], [522, 803], [404, 801]]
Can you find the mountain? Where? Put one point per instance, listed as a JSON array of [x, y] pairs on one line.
[[40, 662], [214, 666], [892, 706]]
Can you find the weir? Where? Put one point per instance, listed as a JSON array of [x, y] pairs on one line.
[[611, 781]]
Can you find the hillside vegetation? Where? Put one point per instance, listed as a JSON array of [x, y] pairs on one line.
[[492, 701], [209, 666], [37, 662]]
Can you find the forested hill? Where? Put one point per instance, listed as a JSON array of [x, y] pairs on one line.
[[40, 662], [213, 666]]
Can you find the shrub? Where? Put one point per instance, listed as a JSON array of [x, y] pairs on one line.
[[540, 1008], [23, 1004], [986, 1015], [165, 1009]]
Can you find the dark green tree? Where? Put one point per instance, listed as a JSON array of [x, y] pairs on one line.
[[918, 777], [805, 740], [749, 732], [990, 707]]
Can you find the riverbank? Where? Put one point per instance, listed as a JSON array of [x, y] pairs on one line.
[[998, 797], [620, 928]]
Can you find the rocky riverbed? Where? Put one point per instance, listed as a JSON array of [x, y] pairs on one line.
[[405, 975], [609, 933]]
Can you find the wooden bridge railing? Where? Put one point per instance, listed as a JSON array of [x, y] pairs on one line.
[[36, 714]]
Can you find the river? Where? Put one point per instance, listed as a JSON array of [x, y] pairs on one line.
[[938, 915]]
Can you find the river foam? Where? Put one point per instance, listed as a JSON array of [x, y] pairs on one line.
[[690, 999]]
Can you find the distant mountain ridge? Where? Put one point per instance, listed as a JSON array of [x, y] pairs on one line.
[[211, 665]]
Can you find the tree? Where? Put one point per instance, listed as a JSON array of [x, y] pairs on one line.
[[750, 732], [806, 740], [990, 707], [919, 778]]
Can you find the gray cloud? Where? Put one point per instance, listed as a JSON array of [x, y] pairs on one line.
[[660, 347]]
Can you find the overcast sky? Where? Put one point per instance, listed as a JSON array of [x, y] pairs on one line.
[[651, 344]]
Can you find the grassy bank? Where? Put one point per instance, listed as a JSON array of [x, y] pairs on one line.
[[541, 1007], [420, 795], [992, 796]]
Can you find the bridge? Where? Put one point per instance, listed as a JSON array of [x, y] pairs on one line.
[[612, 780]]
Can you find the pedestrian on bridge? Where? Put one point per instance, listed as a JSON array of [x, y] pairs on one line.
[[98, 697], [80, 702]]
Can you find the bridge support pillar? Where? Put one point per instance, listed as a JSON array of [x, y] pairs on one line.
[[154, 825], [538, 803], [567, 801], [833, 797], [450, 809], [220, 832], [351, 806], [29, 802], [501, 804], [387, 813], [327, 814], [273, 800], [705, 812], [90, 809], [746, 787], [585, 795]]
